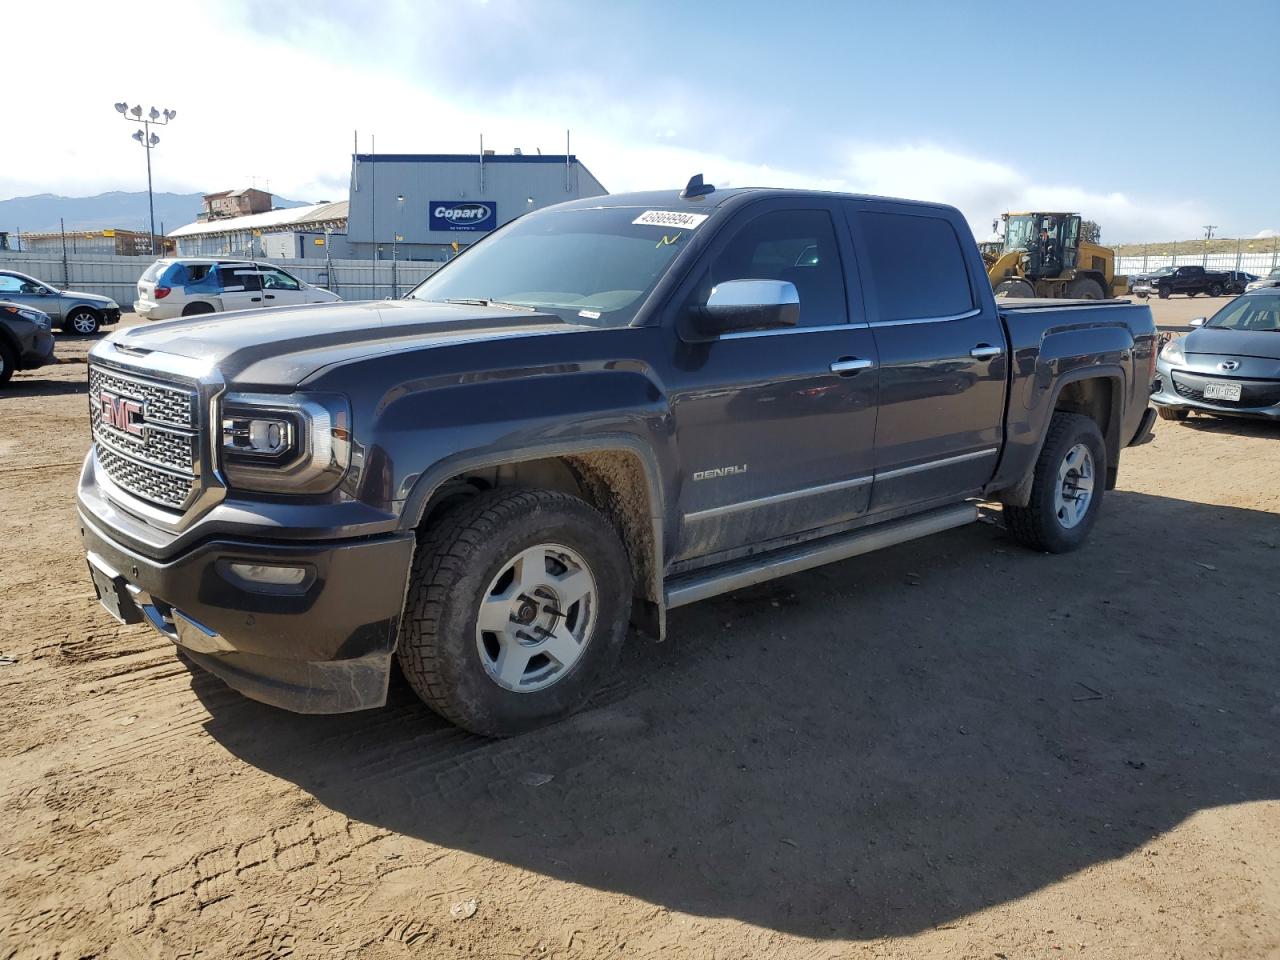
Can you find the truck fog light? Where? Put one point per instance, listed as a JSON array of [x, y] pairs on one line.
[[271, 575]]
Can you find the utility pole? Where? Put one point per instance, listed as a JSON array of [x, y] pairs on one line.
[[1208, 235], [148, 140]]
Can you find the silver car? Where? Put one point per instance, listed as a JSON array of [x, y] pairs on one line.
[[1272, 279], [1228, 366], [73, 312]]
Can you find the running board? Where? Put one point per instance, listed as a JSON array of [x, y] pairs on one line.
[[744, 573]]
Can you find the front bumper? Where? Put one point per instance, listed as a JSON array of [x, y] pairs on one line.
[[110, 316], [1191, 396], [40, 353], [324, 646]]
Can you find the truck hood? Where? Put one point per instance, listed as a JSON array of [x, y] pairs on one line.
[[1233, 343], [279, 347]]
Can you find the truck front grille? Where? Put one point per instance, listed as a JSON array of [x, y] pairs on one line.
[[154, 453]]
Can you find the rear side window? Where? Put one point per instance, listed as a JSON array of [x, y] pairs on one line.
[[917, 265], [154, 271], [239, 276]]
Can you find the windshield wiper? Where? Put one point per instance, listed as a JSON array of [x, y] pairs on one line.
[[485, 302]]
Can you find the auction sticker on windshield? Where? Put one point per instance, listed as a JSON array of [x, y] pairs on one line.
[[670, 218]]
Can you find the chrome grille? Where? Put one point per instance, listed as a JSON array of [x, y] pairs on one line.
[[159, 464]]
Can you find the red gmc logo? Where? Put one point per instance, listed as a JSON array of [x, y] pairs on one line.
[[121, 413]]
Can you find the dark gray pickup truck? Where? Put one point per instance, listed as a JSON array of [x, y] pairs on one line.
[[602, 411]]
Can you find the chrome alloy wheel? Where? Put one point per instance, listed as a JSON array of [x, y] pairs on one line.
[[536, 618], [84, 322], [1075, 486]]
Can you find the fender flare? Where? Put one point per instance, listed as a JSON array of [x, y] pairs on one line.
[[413, 511], [1019, 495]]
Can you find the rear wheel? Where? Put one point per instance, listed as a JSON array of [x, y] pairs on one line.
[[8, 362], [1215, 290], [517, 609], [1191, 293], [1084, 288], [83, 321], [197, 309], [1066, 493], [1173, 413]]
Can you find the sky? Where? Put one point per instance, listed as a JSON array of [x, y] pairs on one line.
[[1156, 121]]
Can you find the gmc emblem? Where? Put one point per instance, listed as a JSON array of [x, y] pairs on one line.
[[121, 413]]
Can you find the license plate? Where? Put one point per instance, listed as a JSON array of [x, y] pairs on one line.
[[1222, 391], [114, 596]]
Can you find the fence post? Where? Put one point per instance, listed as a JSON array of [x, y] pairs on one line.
[[1274, 250], [1144, 258], [66, 278], [1238, 253]]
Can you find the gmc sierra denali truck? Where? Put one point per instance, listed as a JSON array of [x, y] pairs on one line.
[[602, 411]]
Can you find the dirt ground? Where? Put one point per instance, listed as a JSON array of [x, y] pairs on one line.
[[955, 748]]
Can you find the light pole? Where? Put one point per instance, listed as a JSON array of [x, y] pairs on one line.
[[395, 239], [148, 140]]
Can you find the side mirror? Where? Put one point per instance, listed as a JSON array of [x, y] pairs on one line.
[[1199, 321], [739, 305]]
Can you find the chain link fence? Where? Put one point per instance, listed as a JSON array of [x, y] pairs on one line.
[[117, 277], [1258, 257]]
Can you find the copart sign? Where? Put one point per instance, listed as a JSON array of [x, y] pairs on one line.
[[469, 215]]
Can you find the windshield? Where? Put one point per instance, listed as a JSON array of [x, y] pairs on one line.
[[1252, 312], [594, 266], [1162, 272]]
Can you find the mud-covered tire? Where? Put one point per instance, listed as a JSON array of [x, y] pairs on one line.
[[1172, 413], [1014, 288], [8, 362], [1085, 288], [457, 560], [1039, 525]]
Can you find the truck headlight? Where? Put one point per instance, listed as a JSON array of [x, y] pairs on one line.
[[299, 443], [1172, 352]]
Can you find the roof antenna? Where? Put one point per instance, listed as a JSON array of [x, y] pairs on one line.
[[695, 189]]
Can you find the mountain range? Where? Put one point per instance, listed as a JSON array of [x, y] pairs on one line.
[[127, 211]]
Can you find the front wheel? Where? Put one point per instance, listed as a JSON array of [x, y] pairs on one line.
[[1164, 293], [1066, 493], [517, 609], [1172, 413], [8, 363], [83, 322]]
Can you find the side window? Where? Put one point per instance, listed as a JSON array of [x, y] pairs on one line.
[[239, 276], [798, 246], [902, 251], [10, 284], [273, 279]]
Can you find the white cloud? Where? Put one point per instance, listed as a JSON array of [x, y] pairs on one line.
[[1266, 234], [282, 107]]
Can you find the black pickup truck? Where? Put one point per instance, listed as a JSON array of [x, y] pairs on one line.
[[602, 411], [1189, 280]]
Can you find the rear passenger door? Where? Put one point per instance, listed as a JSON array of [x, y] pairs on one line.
[[241, 286], [941, 348]]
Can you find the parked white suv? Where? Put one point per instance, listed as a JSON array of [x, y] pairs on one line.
[[190, 286]]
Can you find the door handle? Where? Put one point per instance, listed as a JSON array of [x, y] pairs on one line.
[[271, 296], [985, 351], [255, 299], [851, 365]]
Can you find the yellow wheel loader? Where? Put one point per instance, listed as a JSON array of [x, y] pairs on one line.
[[1043, 255]]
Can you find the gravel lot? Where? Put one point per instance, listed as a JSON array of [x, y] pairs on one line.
[[955, 748]]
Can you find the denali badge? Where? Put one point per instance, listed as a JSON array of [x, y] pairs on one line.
[[716, 472], [121, 413]]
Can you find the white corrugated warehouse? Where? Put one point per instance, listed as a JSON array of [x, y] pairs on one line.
[[287, 233]]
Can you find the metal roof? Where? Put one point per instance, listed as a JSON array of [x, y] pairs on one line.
[[269, 220]]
